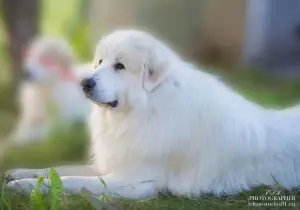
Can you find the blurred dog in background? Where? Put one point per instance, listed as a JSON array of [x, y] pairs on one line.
[[50, 87]]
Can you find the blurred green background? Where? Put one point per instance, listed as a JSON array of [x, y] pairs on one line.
[[58, 18]]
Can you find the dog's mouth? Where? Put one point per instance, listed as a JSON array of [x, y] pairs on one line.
[[113, 104]]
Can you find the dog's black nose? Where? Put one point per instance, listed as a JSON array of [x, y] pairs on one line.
[[88, 84]]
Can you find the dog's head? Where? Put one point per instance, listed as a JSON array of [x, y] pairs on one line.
[[128, 65], [48, 60]]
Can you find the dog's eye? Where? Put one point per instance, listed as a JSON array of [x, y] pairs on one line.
[[119, 66], [100, 61]]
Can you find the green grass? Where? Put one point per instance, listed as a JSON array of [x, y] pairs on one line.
[[70, 145]]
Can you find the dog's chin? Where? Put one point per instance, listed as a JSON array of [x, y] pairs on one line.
[[110, 104]]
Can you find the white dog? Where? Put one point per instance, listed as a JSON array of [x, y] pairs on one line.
[[159, 123], [52, 81]]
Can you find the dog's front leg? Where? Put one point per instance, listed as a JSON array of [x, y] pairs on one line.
[[107, 185], [69, 170]]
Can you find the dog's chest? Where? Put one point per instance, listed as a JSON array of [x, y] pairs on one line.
[[117, 142], [114, 143]]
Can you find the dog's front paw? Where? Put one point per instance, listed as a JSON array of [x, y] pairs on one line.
[[25, 186], [17, 174]]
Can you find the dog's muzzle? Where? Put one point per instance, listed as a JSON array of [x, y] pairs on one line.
[[88, 86]]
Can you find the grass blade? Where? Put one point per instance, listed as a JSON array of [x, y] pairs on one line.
[[56, 189], [36, 199]]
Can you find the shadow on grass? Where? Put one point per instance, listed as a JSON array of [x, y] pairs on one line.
[[237, 202]]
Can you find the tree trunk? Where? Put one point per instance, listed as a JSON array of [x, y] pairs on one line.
[[21, 18]]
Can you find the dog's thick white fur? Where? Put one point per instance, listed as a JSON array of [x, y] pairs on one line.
[[49, 66], [176, 128]]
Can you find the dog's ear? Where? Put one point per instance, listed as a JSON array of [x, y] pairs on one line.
[[154, 72]]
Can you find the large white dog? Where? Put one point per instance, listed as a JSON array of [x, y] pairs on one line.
[[159, 123], [52, 81]]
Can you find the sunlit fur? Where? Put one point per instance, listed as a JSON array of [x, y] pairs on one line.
[[191, 133]]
